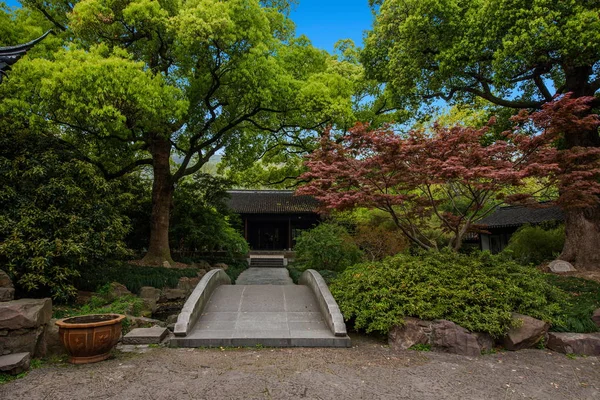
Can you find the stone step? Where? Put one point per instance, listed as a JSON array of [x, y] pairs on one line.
[[153, 335], [14, 364]]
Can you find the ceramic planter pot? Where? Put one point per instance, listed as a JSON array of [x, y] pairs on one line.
[[89, 338]]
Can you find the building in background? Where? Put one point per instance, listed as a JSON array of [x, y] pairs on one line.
[[273, 219]]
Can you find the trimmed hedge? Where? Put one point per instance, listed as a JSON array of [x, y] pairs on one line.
[[479, 292]]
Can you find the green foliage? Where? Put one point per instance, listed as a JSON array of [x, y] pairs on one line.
[[420, 347], [328, 246], [584, 298], [200, 219], [58, 217], [132, 276], [477, 292], [534, 244]]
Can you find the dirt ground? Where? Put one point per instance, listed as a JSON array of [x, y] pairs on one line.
[[368, 370]]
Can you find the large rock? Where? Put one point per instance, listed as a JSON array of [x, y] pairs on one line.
[[7, 294], [14, 364], [596, 317], [525, 333], [5, 281], [150, 296], [25, 313], [560, 266], [116, 291], [144, 322], [7, 290], [201, 264], [587, 344], [222, 266], [170, 294], [187, 284], [22, 341], [441, 335], [51, 343]]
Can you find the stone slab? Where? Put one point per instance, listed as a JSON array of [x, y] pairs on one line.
[[560, 266], [14, 364], [264, 276], [153, 335]]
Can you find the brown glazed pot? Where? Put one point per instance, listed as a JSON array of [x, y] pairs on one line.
[[89, 338]]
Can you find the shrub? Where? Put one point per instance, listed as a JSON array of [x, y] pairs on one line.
[[58, 216], [584, 298], [132, 276], [328, 246], [478, 292], [534, 245]]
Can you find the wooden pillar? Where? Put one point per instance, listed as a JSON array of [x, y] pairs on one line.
[[289, 233], [246, 228]]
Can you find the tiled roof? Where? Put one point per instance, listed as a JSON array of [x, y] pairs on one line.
[[521, 215], [270, 202]]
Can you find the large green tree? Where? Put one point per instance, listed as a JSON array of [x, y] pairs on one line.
[[516, 54], [168, 84]]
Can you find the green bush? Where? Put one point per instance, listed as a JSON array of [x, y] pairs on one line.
[[534, 245], [328, 246], [477, 292], [584, 298], [132, 276], [58, 215]]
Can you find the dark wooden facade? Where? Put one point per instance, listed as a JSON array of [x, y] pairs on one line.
[[273, 219], [505, 221]]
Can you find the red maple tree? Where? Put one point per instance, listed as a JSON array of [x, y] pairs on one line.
[[450, 178]]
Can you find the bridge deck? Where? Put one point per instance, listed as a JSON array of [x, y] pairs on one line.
[[279, 315]]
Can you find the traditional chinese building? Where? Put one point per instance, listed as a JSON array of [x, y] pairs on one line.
[[273, 219], [506, 220]]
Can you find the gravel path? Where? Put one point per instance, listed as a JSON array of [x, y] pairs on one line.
[[369, 370]]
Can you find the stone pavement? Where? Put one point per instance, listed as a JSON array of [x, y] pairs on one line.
[[264, 276], [264, 308]]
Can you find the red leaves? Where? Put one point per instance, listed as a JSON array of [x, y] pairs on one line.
[[412, 175]]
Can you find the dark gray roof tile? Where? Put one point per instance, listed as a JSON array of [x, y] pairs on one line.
[[271, 202]]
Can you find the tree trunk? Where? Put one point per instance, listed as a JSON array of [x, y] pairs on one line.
[[582, 227], [162, 195]]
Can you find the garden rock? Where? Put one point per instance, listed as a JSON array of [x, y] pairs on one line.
[[587, 344], [596, 317], [171, 319], [526, 333], [560, 266], [144, 322], [25, 313], [150, 296], [117, 290], [14, 364], [187, 284], [7, 290], [220, 266], [201, 273], [441, 335], [166, 264], [201, 265], [51, 344], [169, 294], [22, 341]]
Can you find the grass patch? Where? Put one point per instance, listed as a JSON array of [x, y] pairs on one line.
[[132, 276], [420, 347], [583, 299]]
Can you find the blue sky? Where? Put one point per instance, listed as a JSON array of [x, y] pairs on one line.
[[327, 21], [324, 21]]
